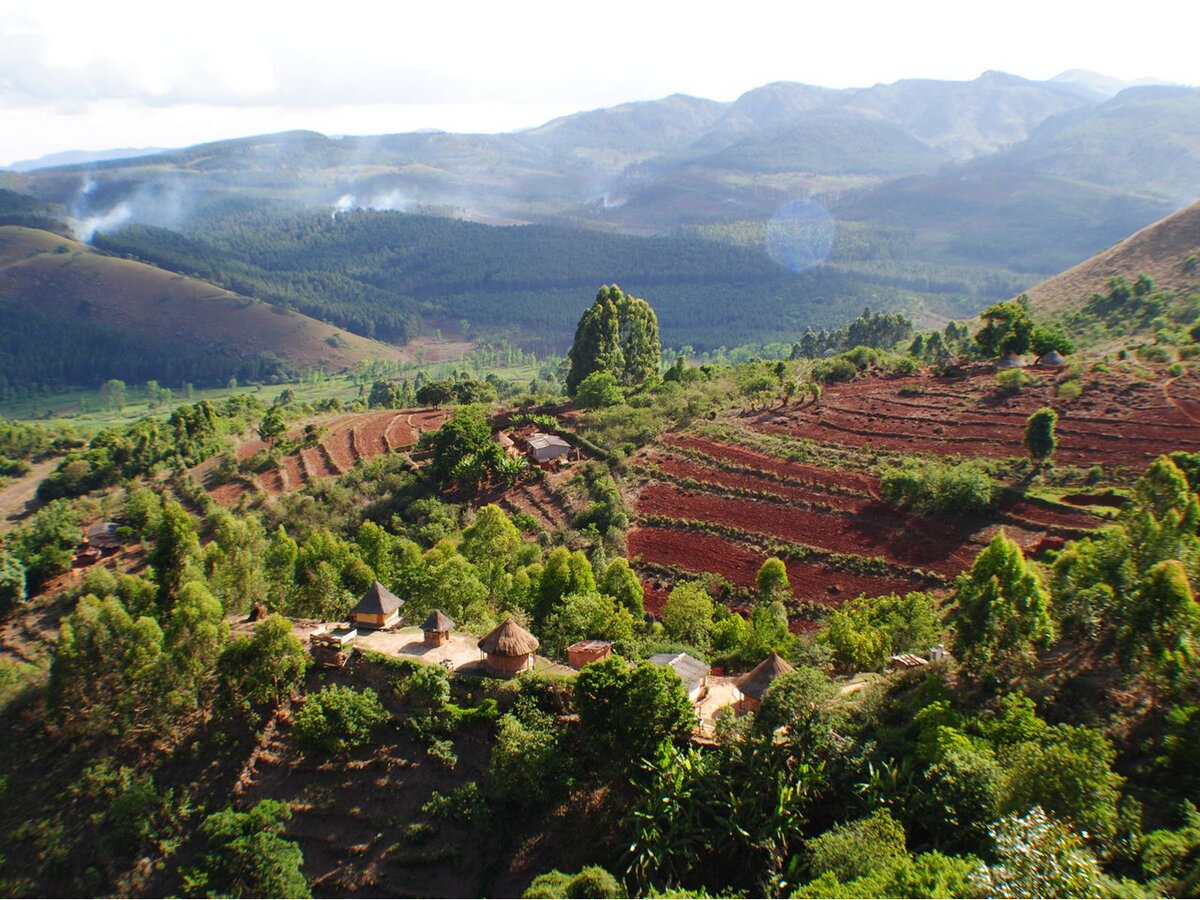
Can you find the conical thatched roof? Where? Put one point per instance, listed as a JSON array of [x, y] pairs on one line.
[[378, 601], [508, 639], [437, 621], [1010, 360], [1053, 358], [755, 683]]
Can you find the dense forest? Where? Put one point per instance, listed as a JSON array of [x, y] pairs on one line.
[[372, 272]]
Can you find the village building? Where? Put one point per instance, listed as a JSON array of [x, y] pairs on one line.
[[546, 447], [378, 608], [755, 684], [581, 653], [437, 628], [692, 672], [507, 444], [1010, 360], [509, 649]]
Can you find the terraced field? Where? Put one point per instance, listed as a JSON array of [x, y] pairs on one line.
[[1118, 421], [724, 497], [346, 440]]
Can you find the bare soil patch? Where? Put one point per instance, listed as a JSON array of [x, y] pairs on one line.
[[1117, 421]]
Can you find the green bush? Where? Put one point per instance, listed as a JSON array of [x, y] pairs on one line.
[[339, 718], [939, 487], [1013, 381]]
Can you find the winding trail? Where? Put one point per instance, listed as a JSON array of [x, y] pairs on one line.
[[15, 498]]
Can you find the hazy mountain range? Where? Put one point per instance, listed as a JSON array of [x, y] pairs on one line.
[[941, 196]]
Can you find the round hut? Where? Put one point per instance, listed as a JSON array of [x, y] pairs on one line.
[[437, 628], [1052, 360], [1010, 360], [378, 608], [755, 684], [509, 649]]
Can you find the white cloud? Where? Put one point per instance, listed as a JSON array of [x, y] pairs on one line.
[[130, 72]]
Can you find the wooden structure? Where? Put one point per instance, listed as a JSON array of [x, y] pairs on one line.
[[332, 648], [378, 608], [756, 683], [437, 628], [906, 661], [692, 672], [583, 652], [509, 649]]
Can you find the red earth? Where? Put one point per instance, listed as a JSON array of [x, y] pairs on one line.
[[346, 440], [1116, 421]]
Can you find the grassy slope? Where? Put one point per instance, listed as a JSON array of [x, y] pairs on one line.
[[69, 280], [1159, 250]]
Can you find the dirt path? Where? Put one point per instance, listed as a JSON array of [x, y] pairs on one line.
[[1166, 389], [15, 498]]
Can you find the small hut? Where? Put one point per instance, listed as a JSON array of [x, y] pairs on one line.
[[1051, 360], [692, 672], [378, 608], [755, 684], [581, 653], [1010, 360], [437, 628], [545, 447], [509, 649]]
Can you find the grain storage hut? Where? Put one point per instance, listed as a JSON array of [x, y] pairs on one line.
[[437, 628], [378, 608], [509, 649], [755, 684]]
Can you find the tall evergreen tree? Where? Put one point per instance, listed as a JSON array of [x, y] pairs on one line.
[[617, 334]]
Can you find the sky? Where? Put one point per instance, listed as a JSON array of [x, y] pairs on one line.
[[81, 74]]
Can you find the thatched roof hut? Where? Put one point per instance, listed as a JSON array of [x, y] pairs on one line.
[[754, 685], [378, 608], [1010, 360], [1052, 360], [509, 649], [437, 627]]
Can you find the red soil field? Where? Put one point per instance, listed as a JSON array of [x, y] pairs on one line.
[[790, 471], [1114, 422], [347, 439], [698, 552], [875, 531], [676, 468]]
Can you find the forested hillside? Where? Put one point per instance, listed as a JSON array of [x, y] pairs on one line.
[[76, 317]]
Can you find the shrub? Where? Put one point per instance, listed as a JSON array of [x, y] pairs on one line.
[[1013, 381], [939, 487], [1070, 389], [339, 718], [834, 370]]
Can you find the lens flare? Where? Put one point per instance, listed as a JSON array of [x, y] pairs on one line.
[[800, 235]]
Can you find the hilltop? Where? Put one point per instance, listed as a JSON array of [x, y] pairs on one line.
[[74, 312], [1168, 251]]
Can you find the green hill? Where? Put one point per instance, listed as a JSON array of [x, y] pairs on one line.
[[75, 316]]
